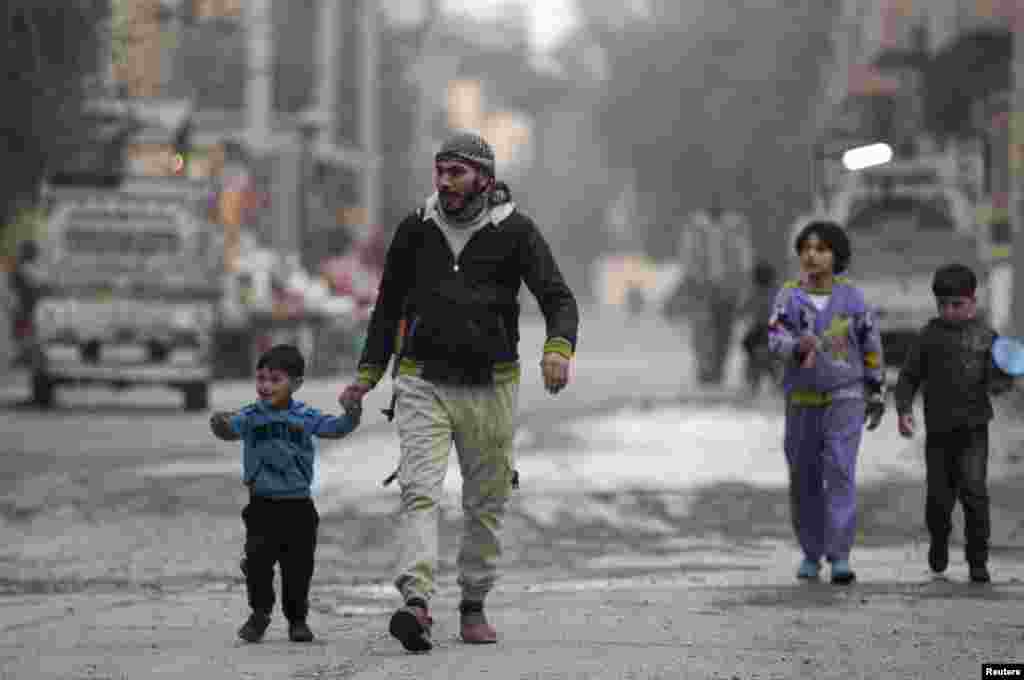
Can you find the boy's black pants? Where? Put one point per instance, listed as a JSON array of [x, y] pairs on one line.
[[957, 467], [281, 531]]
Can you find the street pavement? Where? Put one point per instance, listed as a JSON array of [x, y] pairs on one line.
[[650, 539]]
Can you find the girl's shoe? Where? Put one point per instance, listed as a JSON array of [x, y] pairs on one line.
[[808, 569], [842, 574]]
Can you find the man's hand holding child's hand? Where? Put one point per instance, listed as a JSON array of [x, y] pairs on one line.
[[353, 394], [353, 409]]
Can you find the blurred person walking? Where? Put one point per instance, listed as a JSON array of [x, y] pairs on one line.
[[449, 297], [761, 362], [717, 258], [27, 290]]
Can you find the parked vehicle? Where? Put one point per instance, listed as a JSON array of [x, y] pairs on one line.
[[905, 219], [130, 290]]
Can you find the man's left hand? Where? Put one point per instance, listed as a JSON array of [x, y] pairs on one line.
[[555, 369]]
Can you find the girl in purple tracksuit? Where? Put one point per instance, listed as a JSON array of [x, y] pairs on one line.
[[822, 329]]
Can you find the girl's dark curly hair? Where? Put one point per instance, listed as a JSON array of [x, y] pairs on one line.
[[833, 236]]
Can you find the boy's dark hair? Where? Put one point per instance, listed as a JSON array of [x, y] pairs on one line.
[[954, 280], [285, 358], [833, 236], [765, 274]]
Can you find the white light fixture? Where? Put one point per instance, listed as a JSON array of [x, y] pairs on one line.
[[867, 156]]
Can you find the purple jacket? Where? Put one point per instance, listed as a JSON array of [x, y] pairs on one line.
[[838, 372]]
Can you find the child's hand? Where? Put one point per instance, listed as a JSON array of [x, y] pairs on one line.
[[220, 423], [806, 344], [805, 350], [840, 344], [906, 425]]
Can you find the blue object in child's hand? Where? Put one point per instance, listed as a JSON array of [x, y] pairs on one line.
[[1008, 355]]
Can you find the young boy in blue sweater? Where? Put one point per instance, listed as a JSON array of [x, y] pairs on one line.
[[278, 466]]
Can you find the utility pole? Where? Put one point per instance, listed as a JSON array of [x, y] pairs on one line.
[[1016, 157], [259, 73], [434, 71], [307, 159], [369, 101]]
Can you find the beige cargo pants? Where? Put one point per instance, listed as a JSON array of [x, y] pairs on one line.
[[481, 422]]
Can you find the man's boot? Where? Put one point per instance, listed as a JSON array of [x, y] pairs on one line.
[[411, 626], [475, 629]]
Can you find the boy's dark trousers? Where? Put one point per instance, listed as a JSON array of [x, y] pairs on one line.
[[282, 531], [957, 467]]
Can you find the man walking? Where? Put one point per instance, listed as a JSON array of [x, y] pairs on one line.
[[24, 284], [717, 259], [449, 292]]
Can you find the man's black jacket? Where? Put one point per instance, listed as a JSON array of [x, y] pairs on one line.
[[478, 291], [954, 361]]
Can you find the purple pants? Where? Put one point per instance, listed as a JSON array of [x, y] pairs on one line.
[[821, 449]]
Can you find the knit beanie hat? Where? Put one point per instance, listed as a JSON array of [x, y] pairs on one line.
[[470, 147]]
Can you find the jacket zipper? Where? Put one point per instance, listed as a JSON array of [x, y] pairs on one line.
[[457, 260]]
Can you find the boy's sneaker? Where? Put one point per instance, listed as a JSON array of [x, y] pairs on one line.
[[253, 629], [298, 631], [842, 574], [979, 574], [411, 626], [475, 629], [938, 556], [808, 570]]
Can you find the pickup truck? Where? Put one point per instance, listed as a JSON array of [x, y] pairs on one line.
[[129, 292]]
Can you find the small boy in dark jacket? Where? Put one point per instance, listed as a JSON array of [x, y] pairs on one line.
[[279, 460], [953, 358]]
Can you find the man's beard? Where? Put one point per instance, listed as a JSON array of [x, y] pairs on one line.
[[473, 202]]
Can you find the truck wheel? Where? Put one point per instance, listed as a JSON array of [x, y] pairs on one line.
[[43, 390], [197, 397]]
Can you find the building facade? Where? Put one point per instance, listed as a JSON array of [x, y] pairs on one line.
[[468, 73], [928, 77], [280, 100]]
